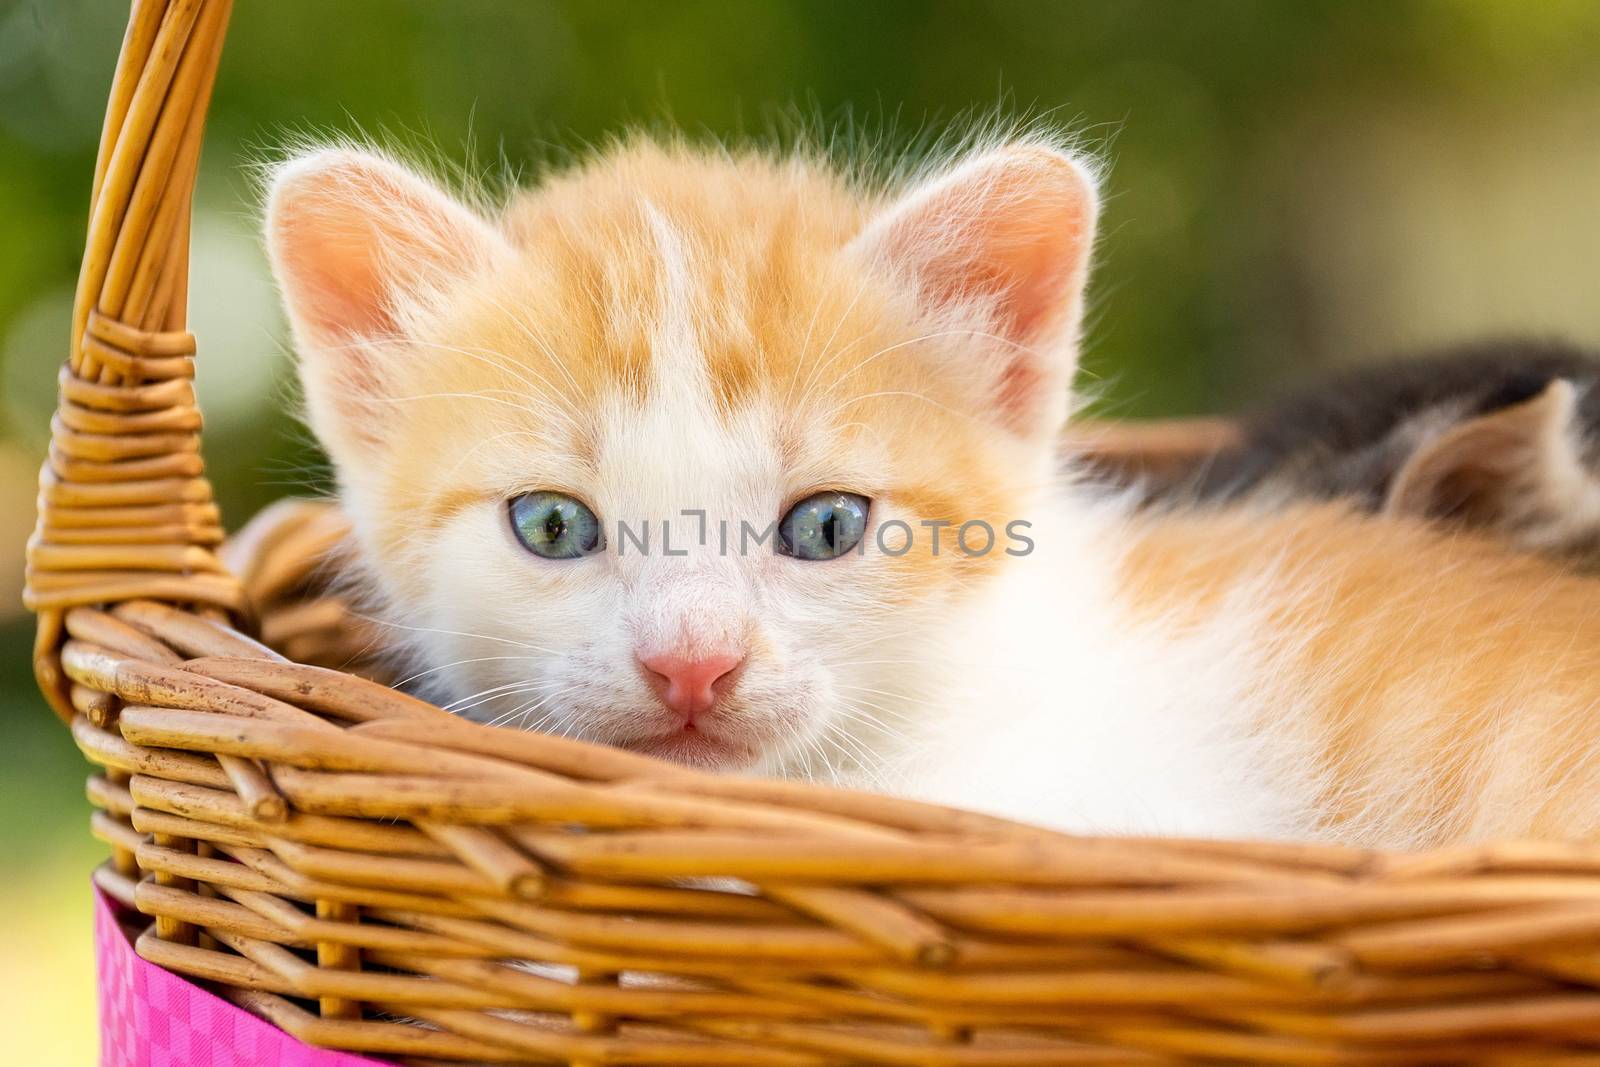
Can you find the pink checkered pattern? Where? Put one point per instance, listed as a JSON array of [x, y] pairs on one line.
[[150, 1017]]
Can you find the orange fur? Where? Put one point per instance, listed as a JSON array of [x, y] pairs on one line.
[[1450, 686], [779, 323]]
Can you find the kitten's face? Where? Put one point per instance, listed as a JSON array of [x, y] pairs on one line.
[[570, 448]]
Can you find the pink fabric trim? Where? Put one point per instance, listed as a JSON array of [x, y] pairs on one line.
[[150, 1017]]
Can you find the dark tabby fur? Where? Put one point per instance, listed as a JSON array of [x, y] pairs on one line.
[[1346, 435], [1500, 436]]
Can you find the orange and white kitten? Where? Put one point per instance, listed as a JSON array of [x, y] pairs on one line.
[[727, 458]]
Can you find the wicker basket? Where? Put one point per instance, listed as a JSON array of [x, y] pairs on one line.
[[368, 872]]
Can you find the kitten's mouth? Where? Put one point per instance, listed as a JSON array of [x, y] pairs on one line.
[[695, 747]]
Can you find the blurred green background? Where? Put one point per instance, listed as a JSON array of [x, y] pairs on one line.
[[1293, 184]]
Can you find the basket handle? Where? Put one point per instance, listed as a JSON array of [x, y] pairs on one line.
[[125, 510]]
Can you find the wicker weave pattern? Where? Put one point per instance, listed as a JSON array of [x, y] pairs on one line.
[[291, 559], [124, 507], [395, 857], [371, 873]]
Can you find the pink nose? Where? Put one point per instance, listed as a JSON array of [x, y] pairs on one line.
[[690, 685]]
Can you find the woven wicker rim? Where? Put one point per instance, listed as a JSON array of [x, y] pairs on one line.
[[365, 871]]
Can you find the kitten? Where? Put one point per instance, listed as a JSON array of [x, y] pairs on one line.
[[1500, 436], [554, 426]]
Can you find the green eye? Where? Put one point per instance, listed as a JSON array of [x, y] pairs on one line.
[[824, 525], [554, 525]]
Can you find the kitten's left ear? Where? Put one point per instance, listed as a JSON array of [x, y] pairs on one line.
[[1007, 233], [1514, 470]]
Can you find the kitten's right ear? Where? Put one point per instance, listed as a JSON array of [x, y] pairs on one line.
[[356, 241], [1510, 470]]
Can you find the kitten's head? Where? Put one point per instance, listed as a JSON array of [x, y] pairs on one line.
[[650, 458]]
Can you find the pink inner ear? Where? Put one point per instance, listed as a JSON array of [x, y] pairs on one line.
[[1013, 228], [1016, 227], [329, 268], [351, 232], [353, 238], [1042, 275]]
